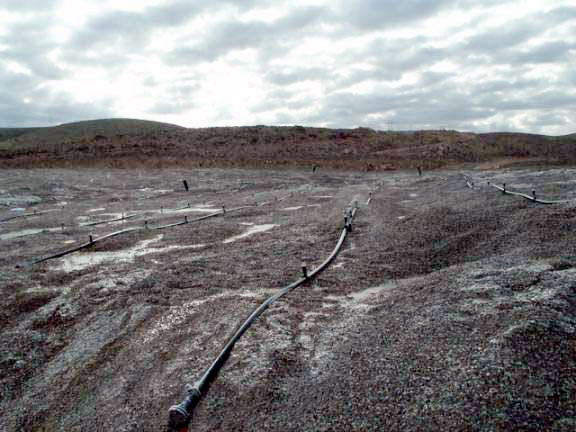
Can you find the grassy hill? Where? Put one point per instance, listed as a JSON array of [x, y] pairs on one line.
[[8, 133], [130, 142]]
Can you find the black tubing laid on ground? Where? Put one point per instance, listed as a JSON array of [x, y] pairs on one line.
[[470, 184], [180, 415], [134, 229], [108, 221], [23, 215], [88, 244], [528, 197]]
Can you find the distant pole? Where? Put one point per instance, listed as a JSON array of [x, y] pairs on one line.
[[534, 194], [185, 185], [503, 187], [304, 270]]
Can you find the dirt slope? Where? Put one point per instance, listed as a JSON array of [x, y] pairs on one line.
[[124, 143]]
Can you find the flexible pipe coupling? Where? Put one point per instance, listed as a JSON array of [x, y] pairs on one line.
[[181, 414]]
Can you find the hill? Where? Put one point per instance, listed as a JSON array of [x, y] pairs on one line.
[[8, 133], [129, 143]]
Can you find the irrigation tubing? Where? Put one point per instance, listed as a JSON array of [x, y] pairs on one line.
[[180, 415], [528, 197], [93, 241], [533, 198], [23, 215]]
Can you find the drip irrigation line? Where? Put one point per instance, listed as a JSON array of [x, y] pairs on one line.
[[145, 228], [88, 244], [108, 221], [533, 198], [23, 215], [180, 415], [528, 197]]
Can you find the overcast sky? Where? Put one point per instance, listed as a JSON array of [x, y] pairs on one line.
[[475, 65]]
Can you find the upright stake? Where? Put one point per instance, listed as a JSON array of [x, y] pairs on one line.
[[91, 239], [185, 185], [185, 219], [62, 227], [304, 270], [223, 209], [503, 187], [533, 195]]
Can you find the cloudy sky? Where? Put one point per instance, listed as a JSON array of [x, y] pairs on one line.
[[387, 64]]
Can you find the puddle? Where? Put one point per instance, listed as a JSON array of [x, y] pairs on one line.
[[360, 296], [193, 209], [250, 231], [80, 261], [300, 207]]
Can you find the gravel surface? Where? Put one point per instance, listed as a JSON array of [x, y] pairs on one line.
[[449, 308]]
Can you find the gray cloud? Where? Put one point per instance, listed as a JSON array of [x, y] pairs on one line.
[[282, 76], [133, 30], [23, 103], [27, 45], [375, 14], [233, 35], [28, 5]]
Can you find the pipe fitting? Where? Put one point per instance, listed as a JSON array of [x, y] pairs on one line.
[[180, 415]]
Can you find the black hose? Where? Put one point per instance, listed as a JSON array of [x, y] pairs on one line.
[[180, 415]]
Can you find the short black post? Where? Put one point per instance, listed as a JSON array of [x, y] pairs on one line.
[[62, 227], [419, 171], [185, 219], [161, 209], [223, 209], [185, 185], [188, 205], [533, 194], [146, 224], [91, 239], [304, 271], [503, 187]]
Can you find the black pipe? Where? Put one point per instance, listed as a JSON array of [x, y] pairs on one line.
[[180, 415]]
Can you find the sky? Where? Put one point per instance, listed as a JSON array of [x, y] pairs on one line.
[[470, 65]]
